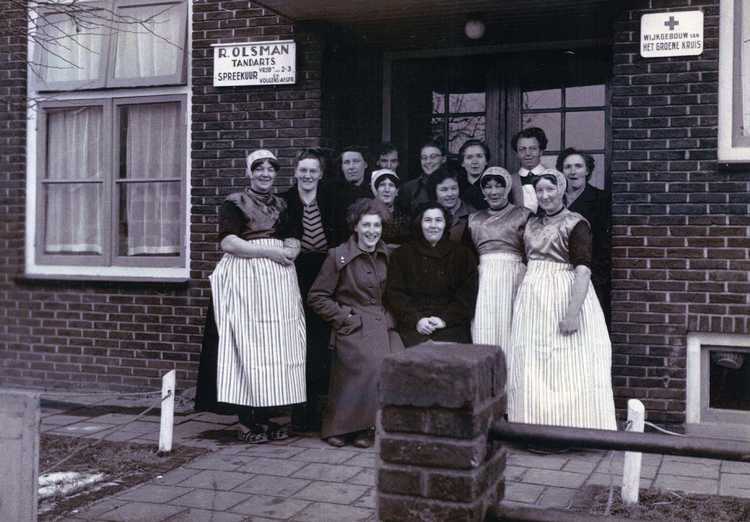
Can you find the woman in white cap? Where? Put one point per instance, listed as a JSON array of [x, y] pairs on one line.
[[497, 234], [259, 331], [560, 358], [384, 184]]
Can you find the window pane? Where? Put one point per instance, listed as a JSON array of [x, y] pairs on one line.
[[542, 99], [550, 123], [462, 129], [74, 211], [150, 213], [149, 219], [584, 130], [149, 41], [585, 96], [438, 103], [72, 48], [549, 160], [437, 126], [73, 218], [729, 373], [467, 102]]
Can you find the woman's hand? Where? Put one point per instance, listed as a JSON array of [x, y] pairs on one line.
[[569, 326], [425, 326], [278, 255], [292, 248], [428, 325]]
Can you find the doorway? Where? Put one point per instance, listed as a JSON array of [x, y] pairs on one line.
[[491, 97]]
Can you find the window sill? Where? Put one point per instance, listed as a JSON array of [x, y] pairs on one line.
[[114, 274]]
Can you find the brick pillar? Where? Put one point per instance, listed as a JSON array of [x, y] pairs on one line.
[[434, 459]]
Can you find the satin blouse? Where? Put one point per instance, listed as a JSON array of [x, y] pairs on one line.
[[499, 231]]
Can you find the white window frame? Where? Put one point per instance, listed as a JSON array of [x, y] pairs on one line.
[[72, 270], [732, 148]]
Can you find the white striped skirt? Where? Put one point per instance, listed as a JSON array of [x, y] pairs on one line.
[[561, 380], [261, 324], [500, 275]]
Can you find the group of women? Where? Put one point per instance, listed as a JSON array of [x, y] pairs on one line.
[[406, 274]]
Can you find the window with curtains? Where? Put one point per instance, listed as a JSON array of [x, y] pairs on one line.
[[111, 135]]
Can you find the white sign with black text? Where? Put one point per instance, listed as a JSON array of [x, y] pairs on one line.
[[256, 63], [677, 33]]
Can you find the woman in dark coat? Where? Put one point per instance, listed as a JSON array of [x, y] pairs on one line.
[[311, 218], [348, 294], [432, 282], [594, 205]]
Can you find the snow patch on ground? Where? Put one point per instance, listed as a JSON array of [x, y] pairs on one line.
[[64, 483]]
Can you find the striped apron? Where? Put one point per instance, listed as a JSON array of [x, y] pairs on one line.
[[562, 380], [258, 312], [500, 275]]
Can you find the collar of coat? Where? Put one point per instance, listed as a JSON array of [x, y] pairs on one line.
[[441, 249], [349, 250]]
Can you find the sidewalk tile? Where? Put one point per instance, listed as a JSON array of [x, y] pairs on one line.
[[93, 511], [268, 450], [310, 442], [273, 507], [220, 462], [209, 499], [324, 456], [214, 418], [647, 470], [321, 512], [687, 484], [171, 478], [190, 429], [140, 512], [580, 466], [692, 460], [63, 420], [332, 492], [603, 479], [730, 466], [153, 493], [269, 485], [327, 472], [527, 460], [557, 497], [734, 485], [514, 473], [268, 466], [521, 492], [202, 515], [367, 500], [366, 460], [547, 477], [690, 469], [364, 478], [213, 479]]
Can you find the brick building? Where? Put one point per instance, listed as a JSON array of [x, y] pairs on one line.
[[113, 307]]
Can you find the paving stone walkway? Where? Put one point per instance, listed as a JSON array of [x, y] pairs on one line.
[[303, 479]]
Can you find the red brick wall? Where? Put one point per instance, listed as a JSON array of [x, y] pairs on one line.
[[681, 250], [123, 336]]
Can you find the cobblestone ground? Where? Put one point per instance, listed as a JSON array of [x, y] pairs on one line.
[[304, 479]]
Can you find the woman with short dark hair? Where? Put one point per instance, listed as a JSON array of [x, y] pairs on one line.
[[385, 184], [444, 187], [595, 205], [560, 355], [348, 294], [432, 281]]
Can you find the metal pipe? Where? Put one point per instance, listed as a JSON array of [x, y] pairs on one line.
[[698, 447], [506, 512]]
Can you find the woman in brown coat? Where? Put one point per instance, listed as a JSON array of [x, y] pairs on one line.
[[348, 294]]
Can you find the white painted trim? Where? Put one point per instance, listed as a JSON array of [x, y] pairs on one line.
[[727, 153], [34, 270], [695, 342]]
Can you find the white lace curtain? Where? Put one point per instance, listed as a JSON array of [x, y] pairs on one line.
[[74, 210], [153, 151], [73, 53], [149, 41]]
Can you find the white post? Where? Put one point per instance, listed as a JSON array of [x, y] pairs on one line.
[[167, 411], [631, 474]]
